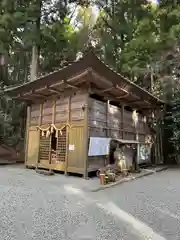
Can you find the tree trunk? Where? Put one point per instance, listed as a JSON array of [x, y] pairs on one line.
[[36, 45], [34, 62]]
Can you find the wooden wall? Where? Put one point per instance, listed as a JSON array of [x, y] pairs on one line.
[[106, 120], [114, 121], [34, 115], [97, 118], [66, 109], [47, 112], [70, 110]]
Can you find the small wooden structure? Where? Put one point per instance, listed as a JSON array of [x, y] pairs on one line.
[[82, 100]]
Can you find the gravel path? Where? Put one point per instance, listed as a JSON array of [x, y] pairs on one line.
[[155, 200], [38, 207]]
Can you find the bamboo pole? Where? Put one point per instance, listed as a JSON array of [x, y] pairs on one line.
[[27, 132]]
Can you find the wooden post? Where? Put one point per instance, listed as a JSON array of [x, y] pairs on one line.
[[158, 127], [40, 123], [27, 132], [136, 137], [122, 120], [144, 123], [53, 112], [161, 137], [53, 122], [107, 113], [67, 135], [86, 137], [137, 158], [40, 115]]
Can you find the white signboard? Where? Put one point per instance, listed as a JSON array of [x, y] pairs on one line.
[[144, 153], [71, 147], [98, 146]]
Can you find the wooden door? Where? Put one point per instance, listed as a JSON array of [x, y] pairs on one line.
[[44, 151], [76, 150], [33, 147]]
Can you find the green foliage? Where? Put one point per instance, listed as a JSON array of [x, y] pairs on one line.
[[134, 37]]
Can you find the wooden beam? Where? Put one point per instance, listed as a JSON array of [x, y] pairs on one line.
[[69, 85], [80, 76], [33, 93], [124, 96], [54, 85], [121, 89], [96, 76], [51, 89], [39, 95], [21, 98], [109, 97], [64, 83], [68, 81], [106, 90], [40, 89]]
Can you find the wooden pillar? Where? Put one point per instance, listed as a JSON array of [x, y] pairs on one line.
[[158, 127], [40, 115], [136, 137], [40, 123], [162, 129], [122, 121], [67, 135], [160, 138], [155, 138], [28, 118], [54, 112], [86, 138], [53, 122], [144, 124], [107, 113]]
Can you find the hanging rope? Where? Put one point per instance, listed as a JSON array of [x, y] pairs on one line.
[[51, 128]]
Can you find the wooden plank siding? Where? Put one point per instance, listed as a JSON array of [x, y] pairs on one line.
[[112, 121], [57, 111], [64, 110], [34, 115], [47, 112]]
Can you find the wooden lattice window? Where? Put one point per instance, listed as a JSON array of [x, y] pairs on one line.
[[44, 148], [62, 145]]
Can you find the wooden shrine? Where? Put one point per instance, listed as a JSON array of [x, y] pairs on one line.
[[82, 100]]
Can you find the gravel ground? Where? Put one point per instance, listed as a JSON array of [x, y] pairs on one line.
[[155, 200], [38, 207]]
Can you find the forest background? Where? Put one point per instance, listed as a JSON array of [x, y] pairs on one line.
[[139, 39]]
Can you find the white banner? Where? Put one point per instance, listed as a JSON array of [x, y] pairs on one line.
[[98, 146]]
